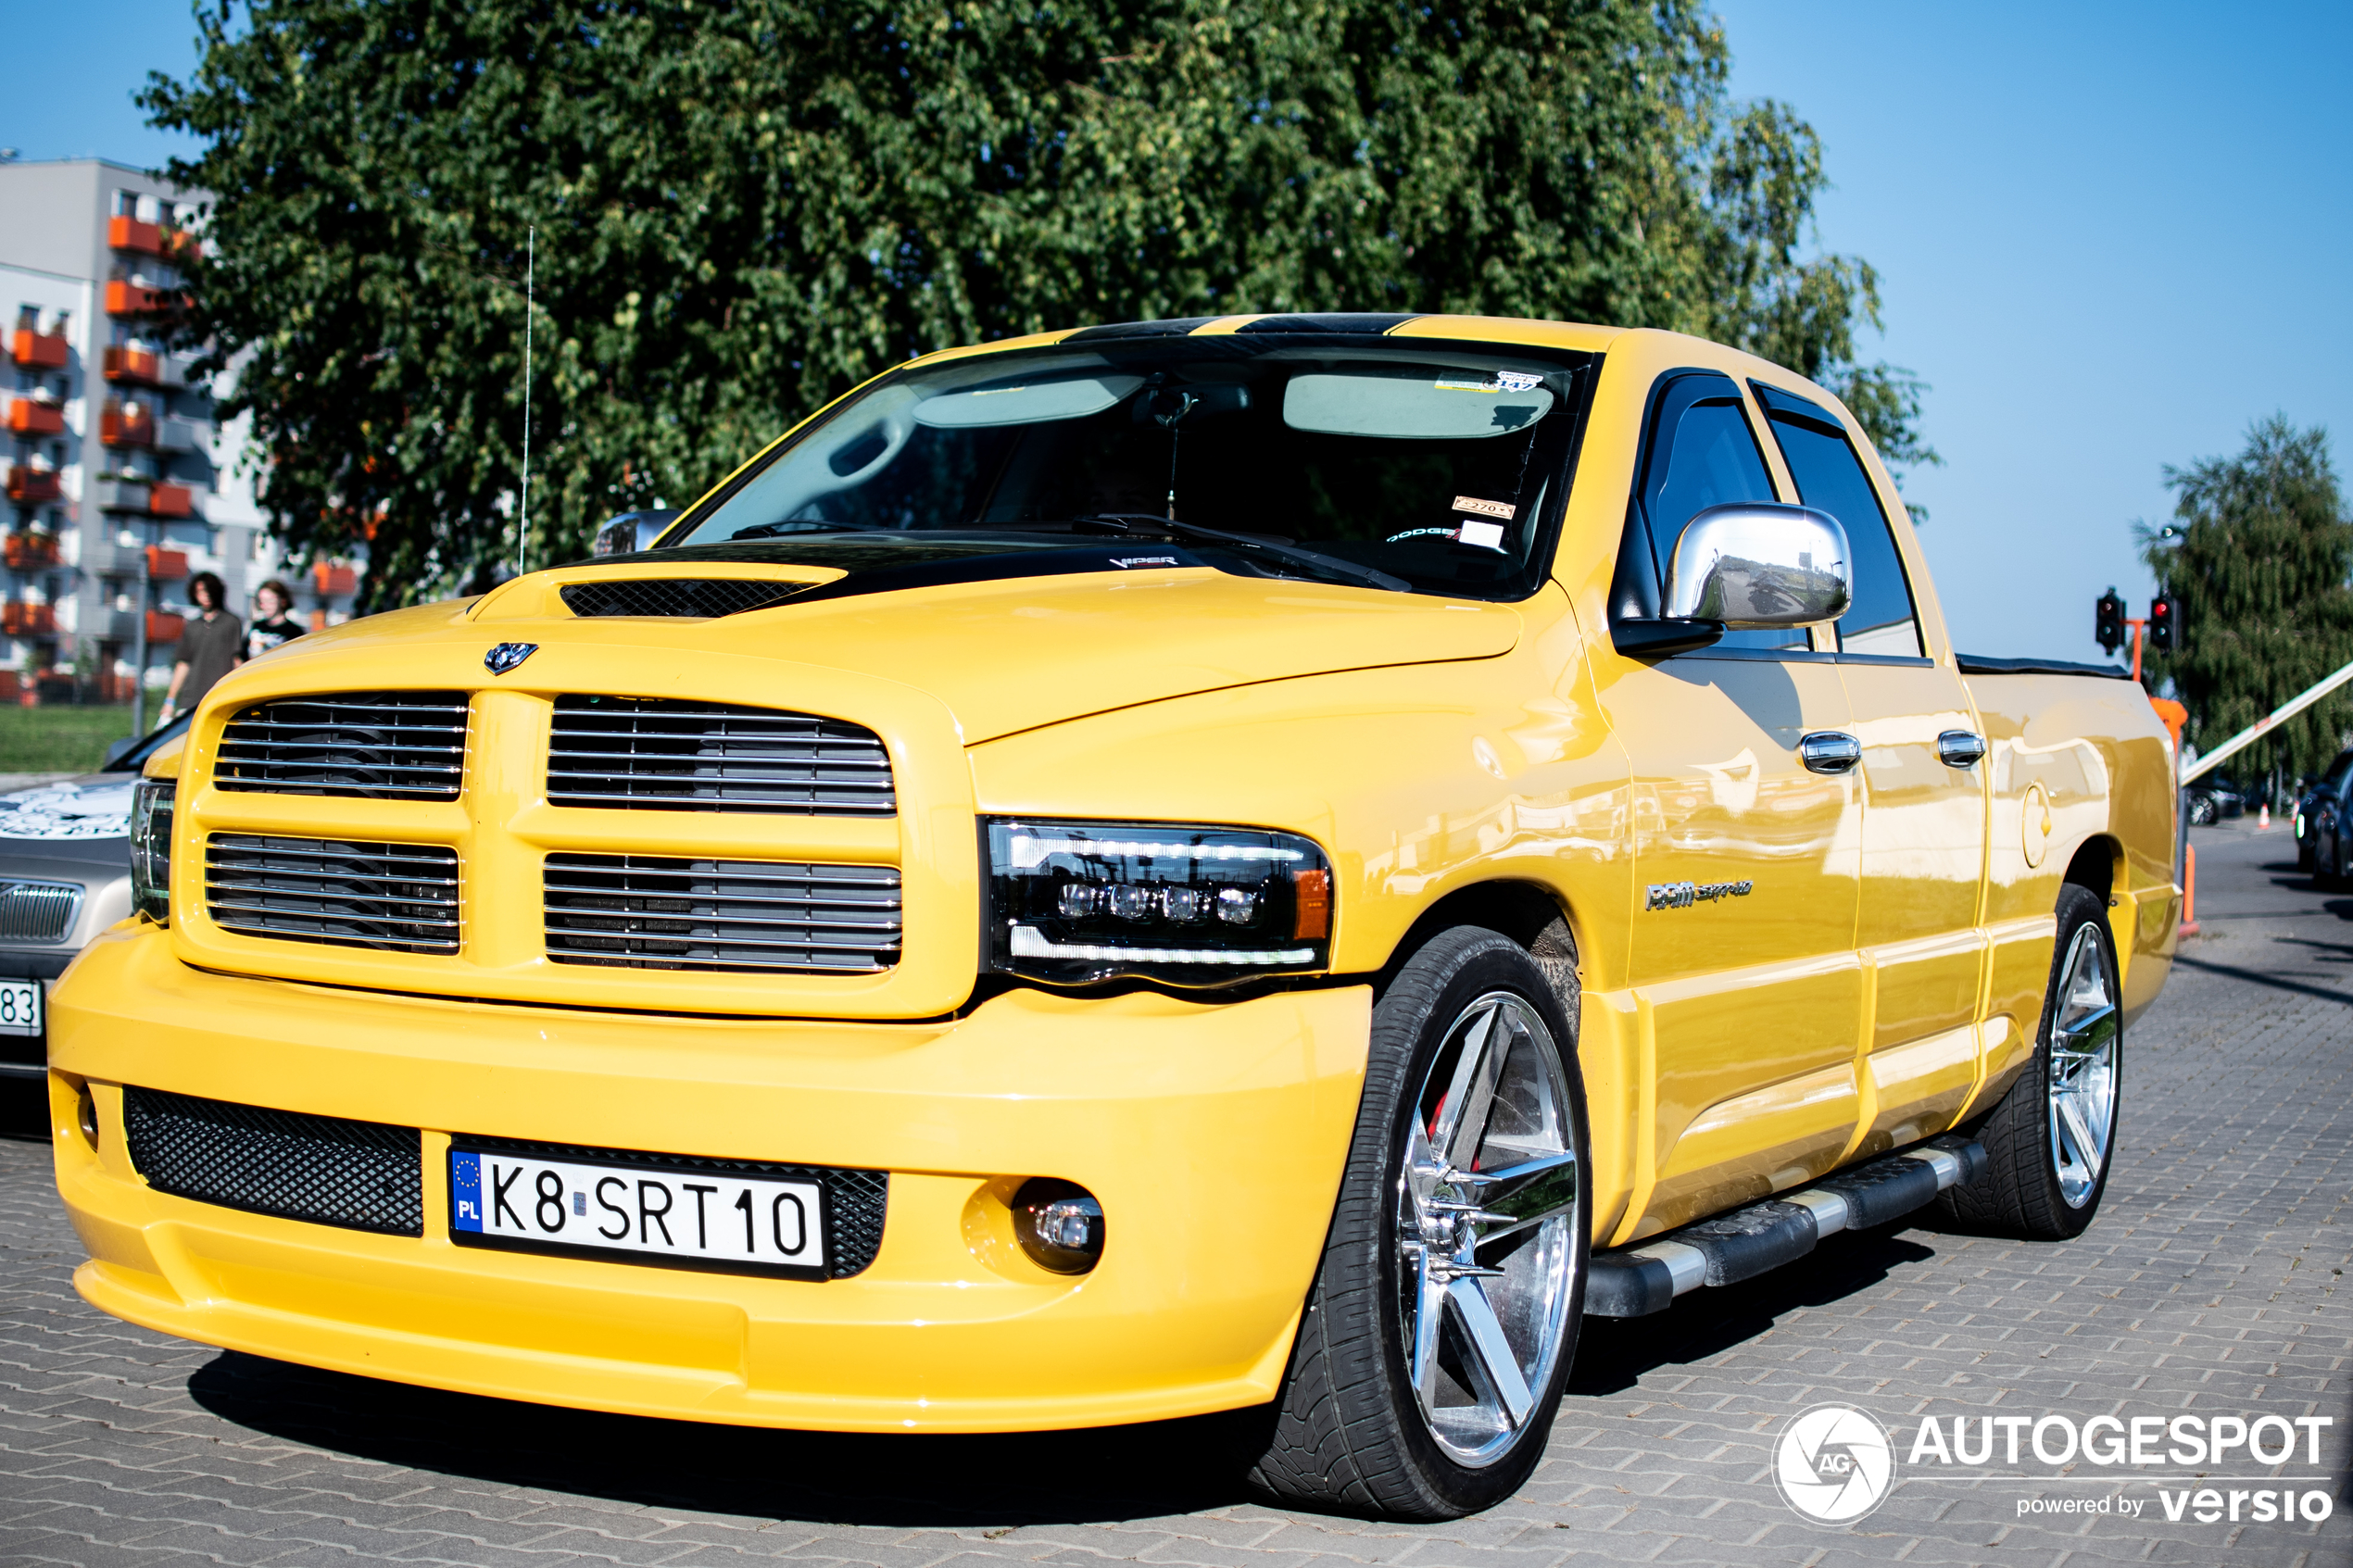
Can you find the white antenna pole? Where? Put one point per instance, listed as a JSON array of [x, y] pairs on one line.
[[530, 272]]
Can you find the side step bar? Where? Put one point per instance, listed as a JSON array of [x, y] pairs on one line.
[[1637, 1281]]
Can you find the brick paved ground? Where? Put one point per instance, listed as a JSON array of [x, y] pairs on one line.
[[2213, 1282]]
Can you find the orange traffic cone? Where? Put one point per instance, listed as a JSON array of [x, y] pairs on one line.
[[2262, 816]]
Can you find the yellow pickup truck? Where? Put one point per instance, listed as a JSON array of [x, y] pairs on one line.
[[1263, 864]]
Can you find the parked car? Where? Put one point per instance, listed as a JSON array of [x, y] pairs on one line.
[[2320, 821], [64, 875], [2217, 800], [1275, 863]]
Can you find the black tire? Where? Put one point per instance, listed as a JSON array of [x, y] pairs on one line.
[[2025, 1192], [1349, 1432]]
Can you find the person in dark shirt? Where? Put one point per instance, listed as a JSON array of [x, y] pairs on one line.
[[272, 624], [210, 646]]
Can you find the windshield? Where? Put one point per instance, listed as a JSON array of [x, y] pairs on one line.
[[1431, 469]]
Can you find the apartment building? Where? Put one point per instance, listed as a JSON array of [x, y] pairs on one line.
[[121, 485]]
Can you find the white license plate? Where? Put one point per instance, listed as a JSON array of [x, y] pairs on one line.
[[639, 1213], [19, 1007]]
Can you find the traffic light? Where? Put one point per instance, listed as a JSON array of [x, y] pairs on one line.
[[2111, 617], [2165, 614]]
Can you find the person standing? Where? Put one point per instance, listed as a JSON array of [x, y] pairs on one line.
[[272, 625], [210, 646]]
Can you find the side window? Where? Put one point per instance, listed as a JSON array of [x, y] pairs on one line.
[[1702, 454], [1830, 478]]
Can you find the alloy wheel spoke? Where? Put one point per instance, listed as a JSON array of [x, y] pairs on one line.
[[2078, 1135], [1483, 1331], [2088, 1035], [1429, 1324], [1461, 1116]]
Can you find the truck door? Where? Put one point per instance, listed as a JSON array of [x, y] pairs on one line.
[[1924, 806], [1745, 860]]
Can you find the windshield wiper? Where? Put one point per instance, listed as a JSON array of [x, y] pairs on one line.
[[1330, 565], [802, 525]]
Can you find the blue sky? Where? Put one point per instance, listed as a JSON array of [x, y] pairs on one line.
[[2109, 238]]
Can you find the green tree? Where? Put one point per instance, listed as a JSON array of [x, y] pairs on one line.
[[744, 207], [2262, 551]]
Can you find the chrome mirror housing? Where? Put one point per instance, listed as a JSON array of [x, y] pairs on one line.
[[1757, 564]]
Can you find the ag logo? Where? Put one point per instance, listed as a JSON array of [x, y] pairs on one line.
[[507, 655], [1833, 1463]]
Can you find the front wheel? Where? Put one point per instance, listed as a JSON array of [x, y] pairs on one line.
[[2050, 1143], [1443, 1317]]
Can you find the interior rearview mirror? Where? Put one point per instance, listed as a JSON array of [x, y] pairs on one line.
[[1756, 564]]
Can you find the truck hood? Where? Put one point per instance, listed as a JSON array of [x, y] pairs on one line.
[[1005, 655]]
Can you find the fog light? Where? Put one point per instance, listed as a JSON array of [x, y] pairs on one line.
[[1059, 1224], [86, 1112]]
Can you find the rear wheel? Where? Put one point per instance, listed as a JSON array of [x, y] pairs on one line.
[[1443, 1317], [2050, 1143]]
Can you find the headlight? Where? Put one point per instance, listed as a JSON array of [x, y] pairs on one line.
[[1076, 902], [151, 848]]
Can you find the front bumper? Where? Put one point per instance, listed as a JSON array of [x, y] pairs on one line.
[[1214, 1134]]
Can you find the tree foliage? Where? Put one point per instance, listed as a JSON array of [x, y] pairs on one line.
[[2263, 550], [744, 207]]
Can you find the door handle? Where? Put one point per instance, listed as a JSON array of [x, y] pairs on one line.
[[1960, 749], [1829, 751]]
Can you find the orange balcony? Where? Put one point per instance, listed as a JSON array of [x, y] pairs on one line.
[[30, 552], [165, 627], [170, 500], [128, 233], [36, 352], [332, 580], [166, 566], [141, 365], [118, 426], [30, 486], [181, 245], [22, 619], [127, 298], [29, 418]]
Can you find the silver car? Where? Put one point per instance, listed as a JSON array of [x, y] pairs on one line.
[[64, 875]]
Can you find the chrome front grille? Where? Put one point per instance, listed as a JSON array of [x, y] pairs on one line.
[[396, 898], [639, 911], [37, 911], [651, 753], [378, 745]]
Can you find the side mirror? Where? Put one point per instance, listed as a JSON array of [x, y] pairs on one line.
[[632, 531], [1755, 564]]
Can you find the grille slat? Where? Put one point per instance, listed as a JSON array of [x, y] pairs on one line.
[[376, 746], [654, 753], [37, 911], [684, 597], [360, 1175], [335, 891], [641, 911]]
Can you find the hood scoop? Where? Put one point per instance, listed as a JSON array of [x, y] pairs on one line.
[[686, 597]]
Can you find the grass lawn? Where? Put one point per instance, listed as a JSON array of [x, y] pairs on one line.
[[59, 740]]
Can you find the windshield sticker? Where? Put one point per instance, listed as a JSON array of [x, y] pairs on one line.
[[1420, 534], [1144, 560], [1486, 536], [1485, 509], [1502, 381]]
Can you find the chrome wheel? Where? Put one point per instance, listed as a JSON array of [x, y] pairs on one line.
[[2083, 1078], [1488, 1198]]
